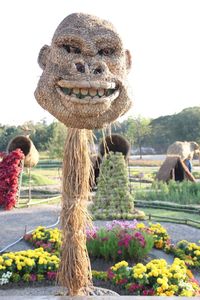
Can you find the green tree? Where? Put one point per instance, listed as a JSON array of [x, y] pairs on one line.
[[184, 126], [6, 134], [41, 135], [137, 129], [57, 142]]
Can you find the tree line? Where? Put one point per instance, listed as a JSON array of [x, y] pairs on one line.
[[141, 132]]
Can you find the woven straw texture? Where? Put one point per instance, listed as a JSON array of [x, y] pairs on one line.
[[83, 83]]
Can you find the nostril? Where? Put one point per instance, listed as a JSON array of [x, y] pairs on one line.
[[98, 70], [80, 68]]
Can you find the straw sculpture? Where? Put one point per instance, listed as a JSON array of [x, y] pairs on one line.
[[83, 85], [184, 149], [174, 168], [115, 143], [26, 145]]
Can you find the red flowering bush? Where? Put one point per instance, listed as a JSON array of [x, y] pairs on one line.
[[119, 240], [10, 169]]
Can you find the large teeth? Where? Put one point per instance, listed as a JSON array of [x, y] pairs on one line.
[[92, 92], [84, 91], [86, 84], [76, 91], [101, 92]]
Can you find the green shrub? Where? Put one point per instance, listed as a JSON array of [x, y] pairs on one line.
[[185, 192]]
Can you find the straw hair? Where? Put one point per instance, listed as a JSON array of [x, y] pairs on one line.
[[26, 145], [75, 270]]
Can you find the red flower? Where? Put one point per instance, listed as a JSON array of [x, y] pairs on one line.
[[10, 169]]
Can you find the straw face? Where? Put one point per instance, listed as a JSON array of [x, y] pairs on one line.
[[83, 83]]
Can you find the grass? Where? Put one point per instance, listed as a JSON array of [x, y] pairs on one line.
[[36, 180], [170, 213], [56, 200]]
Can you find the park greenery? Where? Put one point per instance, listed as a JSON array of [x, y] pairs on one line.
[[156, 133], [185, 192]]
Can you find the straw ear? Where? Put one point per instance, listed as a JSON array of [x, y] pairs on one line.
[[43, 55], [128, 60]]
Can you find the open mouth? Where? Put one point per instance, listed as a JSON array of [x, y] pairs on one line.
[[87, 92]]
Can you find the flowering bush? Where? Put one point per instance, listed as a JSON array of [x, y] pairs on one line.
[[161, 237], [154, 278], [48, 239], [120, 239], [30, 265], [189, 252], [10, 169]]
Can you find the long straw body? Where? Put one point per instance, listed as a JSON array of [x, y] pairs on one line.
[[75, 270]]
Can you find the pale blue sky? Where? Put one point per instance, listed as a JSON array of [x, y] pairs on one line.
[[162, 35]]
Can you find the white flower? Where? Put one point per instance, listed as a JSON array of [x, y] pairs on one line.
[[5, 278]]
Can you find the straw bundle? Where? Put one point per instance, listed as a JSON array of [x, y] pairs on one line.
[[26, 145], [75, 271]]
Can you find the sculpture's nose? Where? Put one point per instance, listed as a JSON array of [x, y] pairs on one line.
[[80, 67], [95, 69]]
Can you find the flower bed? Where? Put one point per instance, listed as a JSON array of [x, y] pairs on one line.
[[48, 239], [189, 252], [118, 240], [121, 240], [28, 266], [155, 278]]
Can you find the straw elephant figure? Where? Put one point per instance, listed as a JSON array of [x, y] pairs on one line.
[[84, 85], [184, 149]]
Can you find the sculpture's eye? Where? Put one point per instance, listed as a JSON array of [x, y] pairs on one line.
[[72, 49], [106, 52]]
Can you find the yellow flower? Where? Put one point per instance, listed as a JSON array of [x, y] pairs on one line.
[[19, 267], [117, 266], [187, 293], [169, 293], [8, 262]]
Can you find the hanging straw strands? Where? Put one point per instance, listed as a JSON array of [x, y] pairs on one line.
[[74, 217]]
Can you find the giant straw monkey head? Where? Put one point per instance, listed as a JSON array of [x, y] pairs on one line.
[[83, 83]]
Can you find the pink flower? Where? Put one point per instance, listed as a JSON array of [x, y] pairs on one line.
[[33, 277], [149, 292], [119, 251], [110, 274], [51, 275], [135, 287], [123, 281], [125, 240]]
